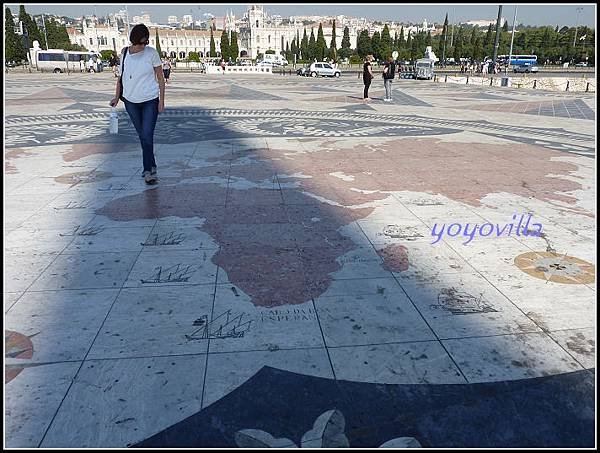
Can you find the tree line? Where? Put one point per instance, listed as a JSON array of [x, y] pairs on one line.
[[552, 45], [56, 36]]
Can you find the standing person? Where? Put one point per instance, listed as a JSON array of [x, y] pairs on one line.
[[223, 65], [143, 92], [389, 72], [367, 77], [113, 64], [166, 67]]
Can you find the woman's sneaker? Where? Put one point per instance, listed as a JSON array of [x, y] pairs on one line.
[[152, 171], [149, 178]]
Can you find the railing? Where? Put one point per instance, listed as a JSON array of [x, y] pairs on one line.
[[239, 70], [537, 83]]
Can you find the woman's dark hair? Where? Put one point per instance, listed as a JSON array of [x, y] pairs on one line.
[[139, 34]]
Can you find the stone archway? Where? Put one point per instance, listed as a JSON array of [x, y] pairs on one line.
[[181, 55], [173, 54], [244, 53]]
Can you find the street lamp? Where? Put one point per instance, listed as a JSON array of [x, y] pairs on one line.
[[579, 9], [512, 38]]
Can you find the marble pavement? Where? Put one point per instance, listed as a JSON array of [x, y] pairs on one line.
[[280, 286]]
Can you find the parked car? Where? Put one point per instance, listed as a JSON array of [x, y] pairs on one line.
[[323, 69], [527, 67], [583, 64]]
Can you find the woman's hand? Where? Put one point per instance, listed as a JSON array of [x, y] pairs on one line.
[[113, 102], [161, 105]]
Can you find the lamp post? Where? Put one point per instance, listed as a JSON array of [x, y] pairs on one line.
[[497, 36], [45, 34], [579, 9], [512, 39]]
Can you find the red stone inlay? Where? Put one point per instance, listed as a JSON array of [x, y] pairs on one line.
[[16, 346], [395, 258]]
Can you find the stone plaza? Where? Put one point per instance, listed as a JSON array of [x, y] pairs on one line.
[[280, 286]]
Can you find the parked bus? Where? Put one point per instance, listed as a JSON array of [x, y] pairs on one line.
[[516, 60], [56, 60]]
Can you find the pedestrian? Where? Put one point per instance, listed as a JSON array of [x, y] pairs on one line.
[[166, 67], [223, 65], [143, 93], [367, 77], [112, 62], [389, 72]]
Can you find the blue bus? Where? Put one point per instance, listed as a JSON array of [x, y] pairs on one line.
[[518, 60]]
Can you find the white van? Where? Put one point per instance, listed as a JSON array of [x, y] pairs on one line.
[[55, 60], [276, 60]]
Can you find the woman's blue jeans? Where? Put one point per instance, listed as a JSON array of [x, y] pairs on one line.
[[143, 116]]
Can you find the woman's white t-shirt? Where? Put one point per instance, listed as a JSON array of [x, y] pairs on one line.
[[139, 80]]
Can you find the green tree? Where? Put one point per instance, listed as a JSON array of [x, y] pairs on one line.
[[386, 43], [193, 56], [225, 45], [346, 38], [363, 44], [321, 44], [234, 49], [505, 26], [157, 40], [345, 51], [312, 46], [213, 48], [30, 26], [333, 46], [376, 45], [304, 47], [14, 50], [58, 38], [444, 39]]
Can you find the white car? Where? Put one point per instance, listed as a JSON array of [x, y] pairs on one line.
[[323, 69]]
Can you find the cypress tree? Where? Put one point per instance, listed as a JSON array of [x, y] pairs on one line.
[[30, 26], [157, 40], [321, 44], [224, 46], [213, 49], [386, 42], [14, 49], [234, 50], [333, 45], [304, 47], [376, 45], [312, 46]]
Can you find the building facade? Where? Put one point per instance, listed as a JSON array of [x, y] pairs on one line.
[[174, 43]]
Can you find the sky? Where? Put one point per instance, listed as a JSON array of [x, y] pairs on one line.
[[529, 14]]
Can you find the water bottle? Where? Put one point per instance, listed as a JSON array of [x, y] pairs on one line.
[[114, 121]]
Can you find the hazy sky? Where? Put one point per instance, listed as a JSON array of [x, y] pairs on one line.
[[529, 14]]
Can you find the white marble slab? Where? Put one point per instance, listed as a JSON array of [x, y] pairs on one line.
[[31, 400], [154, 321], [509, 357], [465, 305], [114, 403], [386, 317], [173, 268], [228, 371], [61, 324], [104, 238], [406, 363], [580, 343], [86, 271], [22, 269], [284, 327]]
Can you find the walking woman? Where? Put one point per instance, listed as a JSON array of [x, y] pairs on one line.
[[367, 76], [143, 92]]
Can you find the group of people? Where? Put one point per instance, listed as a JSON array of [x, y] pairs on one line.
[[479, 68], [388, 73]]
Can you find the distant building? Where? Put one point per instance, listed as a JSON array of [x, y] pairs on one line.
[[485, 23], [172, 20], [187, 20]]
